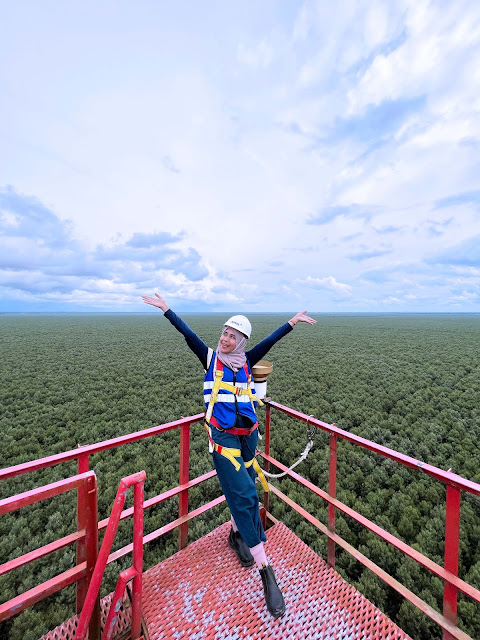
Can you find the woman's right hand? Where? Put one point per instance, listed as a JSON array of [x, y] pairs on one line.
[[158, 301]]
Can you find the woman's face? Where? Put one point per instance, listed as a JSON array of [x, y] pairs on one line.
[[228, 341]]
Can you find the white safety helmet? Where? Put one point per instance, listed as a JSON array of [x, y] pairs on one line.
[[240, 323]]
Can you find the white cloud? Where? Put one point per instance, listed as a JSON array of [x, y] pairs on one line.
[[233, 136], [327, 283], [259, 56]]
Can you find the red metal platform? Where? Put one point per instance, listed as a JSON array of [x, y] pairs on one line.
[[202, 593]]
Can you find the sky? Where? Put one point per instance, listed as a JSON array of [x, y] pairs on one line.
[[252, 156]]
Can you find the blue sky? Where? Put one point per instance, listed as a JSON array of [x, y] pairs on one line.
[[253, 156]]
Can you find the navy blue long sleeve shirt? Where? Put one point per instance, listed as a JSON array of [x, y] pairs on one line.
[[200, 349]]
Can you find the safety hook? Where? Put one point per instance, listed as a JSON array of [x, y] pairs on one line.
[[311, 430]]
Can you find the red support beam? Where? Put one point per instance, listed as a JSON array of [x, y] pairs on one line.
[[13, 503], [137, 560], [184, 477], [96, 581], [91, 552], [332, 492], [266, 496], [42, 591], [81, 555], [452, 542]]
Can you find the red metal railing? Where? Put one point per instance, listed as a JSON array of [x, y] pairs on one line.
[[86, 547], [83, 576], [134, 573], [455, 485], [87, 483]]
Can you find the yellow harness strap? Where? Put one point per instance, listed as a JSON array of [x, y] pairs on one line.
[[232, 454], [241, 392], [259, 471], [214, 394]]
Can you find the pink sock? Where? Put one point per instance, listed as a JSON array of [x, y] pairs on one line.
[[234, 526], [258, 553]]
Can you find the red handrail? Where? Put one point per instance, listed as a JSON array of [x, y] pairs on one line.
[[81, 574], [137, 480], [88, 482], [87, 450]]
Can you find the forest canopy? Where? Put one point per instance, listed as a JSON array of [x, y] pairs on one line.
[[409, 382]]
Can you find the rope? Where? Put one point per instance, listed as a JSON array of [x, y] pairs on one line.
[[301, 459], [311, 432]]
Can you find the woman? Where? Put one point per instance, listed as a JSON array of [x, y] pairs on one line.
[[231, 424]]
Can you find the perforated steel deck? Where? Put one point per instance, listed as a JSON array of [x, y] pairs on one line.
[[202, 593], [67, 630]]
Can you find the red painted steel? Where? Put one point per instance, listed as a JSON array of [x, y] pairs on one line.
[[73, 454], [32, 596], [68, 629], [117, 601], [134, 574], [7, 505], [86, 543], [183, 480], [166, 495], [426, 562], [137, 560], [406, 593], [96, 580], [90, 517], [166, 528], [203, 592], [452, 542], [41, 552], [81, 554], [332, 491], [444, 476]]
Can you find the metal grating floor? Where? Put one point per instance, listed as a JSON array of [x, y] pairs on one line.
[[202, 593], [67, 630]]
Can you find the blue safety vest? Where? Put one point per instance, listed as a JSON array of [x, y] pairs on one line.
[[228, 404]]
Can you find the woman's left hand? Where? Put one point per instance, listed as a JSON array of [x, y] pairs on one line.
[[301, 317]]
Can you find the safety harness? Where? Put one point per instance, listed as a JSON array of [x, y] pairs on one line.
[[210, 420]]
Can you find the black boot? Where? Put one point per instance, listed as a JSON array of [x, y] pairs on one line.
[[273, 596], [237, 543]]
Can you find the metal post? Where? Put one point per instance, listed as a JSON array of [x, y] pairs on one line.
[[184, 478], [81, 556], [91, 550], [452, 541], [137, 559], [332, 492], [268, 415]]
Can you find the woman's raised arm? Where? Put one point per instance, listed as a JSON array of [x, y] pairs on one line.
[[196, 344]]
